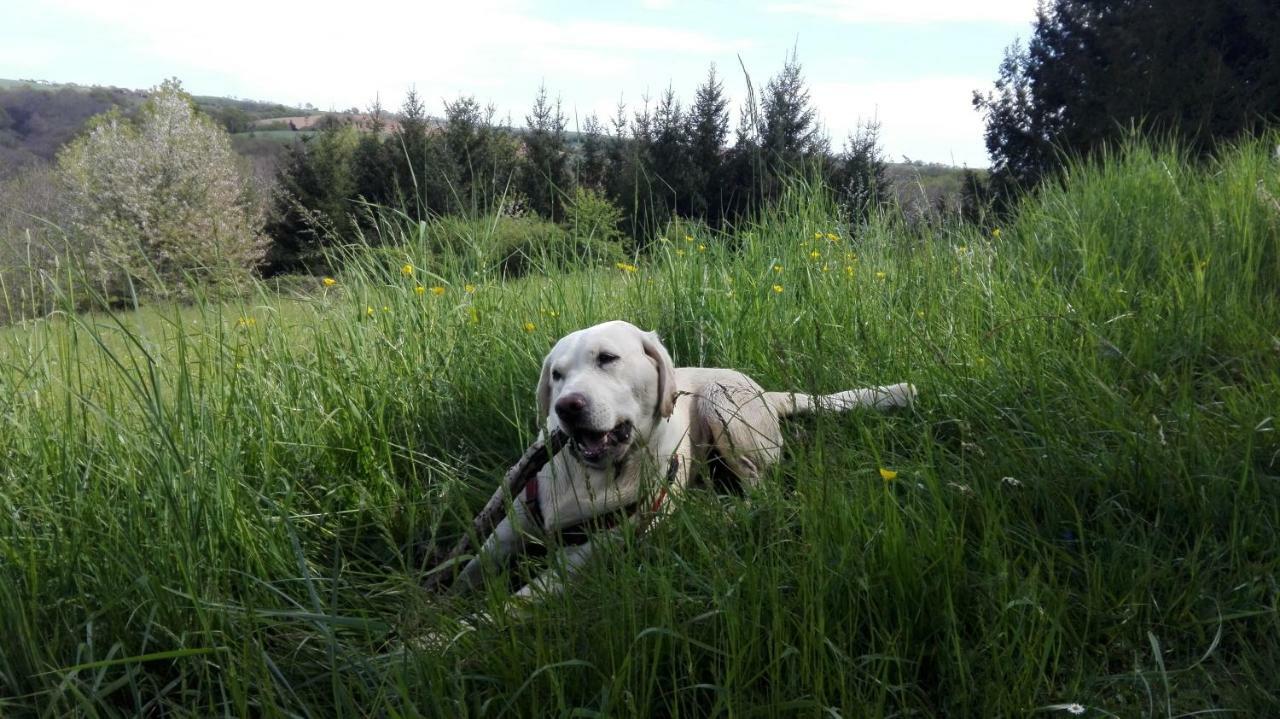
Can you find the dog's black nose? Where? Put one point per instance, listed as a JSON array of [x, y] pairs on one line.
[[570, 407]]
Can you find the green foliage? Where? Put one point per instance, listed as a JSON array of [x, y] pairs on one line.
[[860, 176], [670, 159], [708, 132], [790, 134], [315, 201], [519, 246], [593, 164], [220, 509], [1200, 72], [483, 155], [590, 215], [33, 248], [544, 176]]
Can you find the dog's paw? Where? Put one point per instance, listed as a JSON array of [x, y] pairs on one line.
[[438, 641]]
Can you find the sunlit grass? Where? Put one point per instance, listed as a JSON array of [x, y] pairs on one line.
[[221, 508]]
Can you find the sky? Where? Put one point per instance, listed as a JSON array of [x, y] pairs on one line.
[[911, 65]]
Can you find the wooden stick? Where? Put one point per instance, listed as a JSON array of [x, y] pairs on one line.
[[533, 460]]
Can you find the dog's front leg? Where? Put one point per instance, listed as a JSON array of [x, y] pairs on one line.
[[565, 563], [507, 539]]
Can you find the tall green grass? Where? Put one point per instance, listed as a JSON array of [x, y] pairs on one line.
[[222, 509]]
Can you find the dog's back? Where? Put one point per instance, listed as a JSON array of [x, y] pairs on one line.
[[735, 421]]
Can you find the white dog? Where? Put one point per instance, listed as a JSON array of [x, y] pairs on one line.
[[635, 420]]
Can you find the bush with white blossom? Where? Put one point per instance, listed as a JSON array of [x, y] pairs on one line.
[[159, 203]]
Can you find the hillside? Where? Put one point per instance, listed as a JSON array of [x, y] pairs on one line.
[[37, 118]]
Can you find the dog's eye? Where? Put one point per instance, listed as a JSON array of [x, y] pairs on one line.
[[605, 358], [556, 376]]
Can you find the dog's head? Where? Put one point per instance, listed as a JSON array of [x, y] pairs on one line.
[[604, 385]]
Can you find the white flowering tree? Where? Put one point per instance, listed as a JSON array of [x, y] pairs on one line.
[[159, 202]]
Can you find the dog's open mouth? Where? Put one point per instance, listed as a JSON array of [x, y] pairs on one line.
[[593, 446]]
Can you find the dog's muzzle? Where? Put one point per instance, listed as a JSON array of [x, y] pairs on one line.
[[594, 446]]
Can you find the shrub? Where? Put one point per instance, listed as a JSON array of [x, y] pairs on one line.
[[591, 216], [160, 200], [520, 246], [31, 244]]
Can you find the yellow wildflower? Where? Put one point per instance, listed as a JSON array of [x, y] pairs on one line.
[[817, 235], [815, 255], [833, 237], [880, 275], [437, 290], [702, 248], [851, 257], [420, 290], [529, 327], [688, 238], [246, 322], [328, 282], [920, 313], [848, 270], [996, 233], [777, 289], [625, 267], [888, 475], [386, 309], [777, 268], [368, 311], [824, 268], [407, 270], [679, 253], [469, 289]]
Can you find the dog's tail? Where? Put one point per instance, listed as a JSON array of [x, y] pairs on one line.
[[882, 398]]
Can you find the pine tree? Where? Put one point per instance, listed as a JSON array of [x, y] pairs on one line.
[[545, 171], [593, 166], [789, 131], [975, 198], [422, 182], [670, 158], [373, 167], [1094, 69], [479, 151], [860, 178], [745, 167], [707, 130]]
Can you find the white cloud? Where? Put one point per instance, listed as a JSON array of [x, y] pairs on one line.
[[328, 54], [929, 118], [913, 11]]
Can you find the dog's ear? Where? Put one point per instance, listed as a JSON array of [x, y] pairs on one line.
[[544, 388], [666, 373]]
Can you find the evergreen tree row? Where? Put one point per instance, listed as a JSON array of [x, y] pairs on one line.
[[655, 162]]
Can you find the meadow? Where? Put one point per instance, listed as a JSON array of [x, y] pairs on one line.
[[223, 508]]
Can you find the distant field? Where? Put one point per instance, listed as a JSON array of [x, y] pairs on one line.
[[277, 135]]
